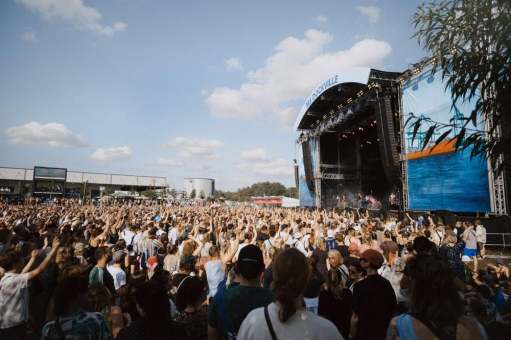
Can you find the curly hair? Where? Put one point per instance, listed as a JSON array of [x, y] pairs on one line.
[[432, 293]]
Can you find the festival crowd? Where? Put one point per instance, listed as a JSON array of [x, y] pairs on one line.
[[168, 271]]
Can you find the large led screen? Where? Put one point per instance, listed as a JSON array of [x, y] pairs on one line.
[[441, 178], [307, 197]]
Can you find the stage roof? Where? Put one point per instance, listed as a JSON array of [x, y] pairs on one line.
[[336, 90]]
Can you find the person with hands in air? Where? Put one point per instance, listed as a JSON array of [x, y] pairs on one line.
[[14, 295]]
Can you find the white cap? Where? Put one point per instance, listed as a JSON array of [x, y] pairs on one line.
[[297, 235], [330, 233]]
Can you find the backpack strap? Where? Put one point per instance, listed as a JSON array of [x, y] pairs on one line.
[[59, 330], [223, 312], [268, 322]]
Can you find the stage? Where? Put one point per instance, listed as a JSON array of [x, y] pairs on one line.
[[355, 150]]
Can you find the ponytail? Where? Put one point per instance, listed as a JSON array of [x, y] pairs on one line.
[[290, 276]]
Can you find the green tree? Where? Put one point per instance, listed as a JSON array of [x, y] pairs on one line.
[[469, 42], [149, 193], [193, 194], [202, 194], [173, 193]]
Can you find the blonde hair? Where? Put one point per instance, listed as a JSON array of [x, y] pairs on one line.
[[336, 256]]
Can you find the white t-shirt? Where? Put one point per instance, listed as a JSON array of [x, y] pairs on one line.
[[13, 300], [119, 276], [302, 325]]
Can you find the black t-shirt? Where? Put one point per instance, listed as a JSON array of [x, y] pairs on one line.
[[321, 254], [338, 311], [177, 278], [374, 301], [343, 249], [262, 237], [139, 330], [268, 277], [314, 285]]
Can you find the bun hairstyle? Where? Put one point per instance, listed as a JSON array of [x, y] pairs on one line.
[[290, 276]]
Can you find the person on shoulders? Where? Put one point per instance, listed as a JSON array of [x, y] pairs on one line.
[[287, 318]]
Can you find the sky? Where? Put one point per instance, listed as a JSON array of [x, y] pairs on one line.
[[202, 88]]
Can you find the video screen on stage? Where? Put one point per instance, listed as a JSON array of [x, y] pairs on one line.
[[441, 178], [50, 173]]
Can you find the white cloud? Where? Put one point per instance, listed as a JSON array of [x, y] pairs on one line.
[[320, 19], [51, 135], [167, 162], [256, 154], [29, 36], [205, 168], [371, 12], [291, 74], [189, 148], [73, 12], [104, 155], [275, 167], [265, 163], [233, 64]]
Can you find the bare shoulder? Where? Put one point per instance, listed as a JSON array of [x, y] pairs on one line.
[[468, 328], [392, 333]]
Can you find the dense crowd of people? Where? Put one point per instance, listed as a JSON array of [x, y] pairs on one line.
[[131, 271]]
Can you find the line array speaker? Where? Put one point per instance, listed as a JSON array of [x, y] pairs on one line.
[[388, 143], [297, 179], [307, 164]]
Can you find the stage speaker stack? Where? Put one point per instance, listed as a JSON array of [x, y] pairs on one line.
[[307, 164], [297, 179], [388, 143]]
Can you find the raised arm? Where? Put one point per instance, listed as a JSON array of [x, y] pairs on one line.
[[36, 272]]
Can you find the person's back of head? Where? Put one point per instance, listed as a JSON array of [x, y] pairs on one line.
[[250, 262], [290, 276], [432, 293], [69, 294], [99, 297], [334, 283], [422, 244], [190, 291], [151, 297]]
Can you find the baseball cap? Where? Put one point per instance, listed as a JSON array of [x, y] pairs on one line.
[[353, 247], [152, 262], [250, 262], [372, 256], [499, 261], [80, 246], [297, 235], [118, 256], [157, 219], [187, 259], [330, 233]]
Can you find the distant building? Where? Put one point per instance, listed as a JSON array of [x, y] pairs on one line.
[[276, 201], [59, 182]]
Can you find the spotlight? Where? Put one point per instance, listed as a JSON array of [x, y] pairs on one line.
[[349, 100], [374, 122], [340, 106]]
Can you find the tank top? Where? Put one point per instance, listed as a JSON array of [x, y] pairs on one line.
[[215, 275]]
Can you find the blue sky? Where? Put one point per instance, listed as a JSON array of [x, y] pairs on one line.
[[180, 88]]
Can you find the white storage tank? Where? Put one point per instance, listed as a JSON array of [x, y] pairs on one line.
[[200, 184]]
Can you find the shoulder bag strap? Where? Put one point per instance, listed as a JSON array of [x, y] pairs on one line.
[[59, 330], [222, 311], [429, 325], [268, 322]]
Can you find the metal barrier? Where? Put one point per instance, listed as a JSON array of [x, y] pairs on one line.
[[504, 244]]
